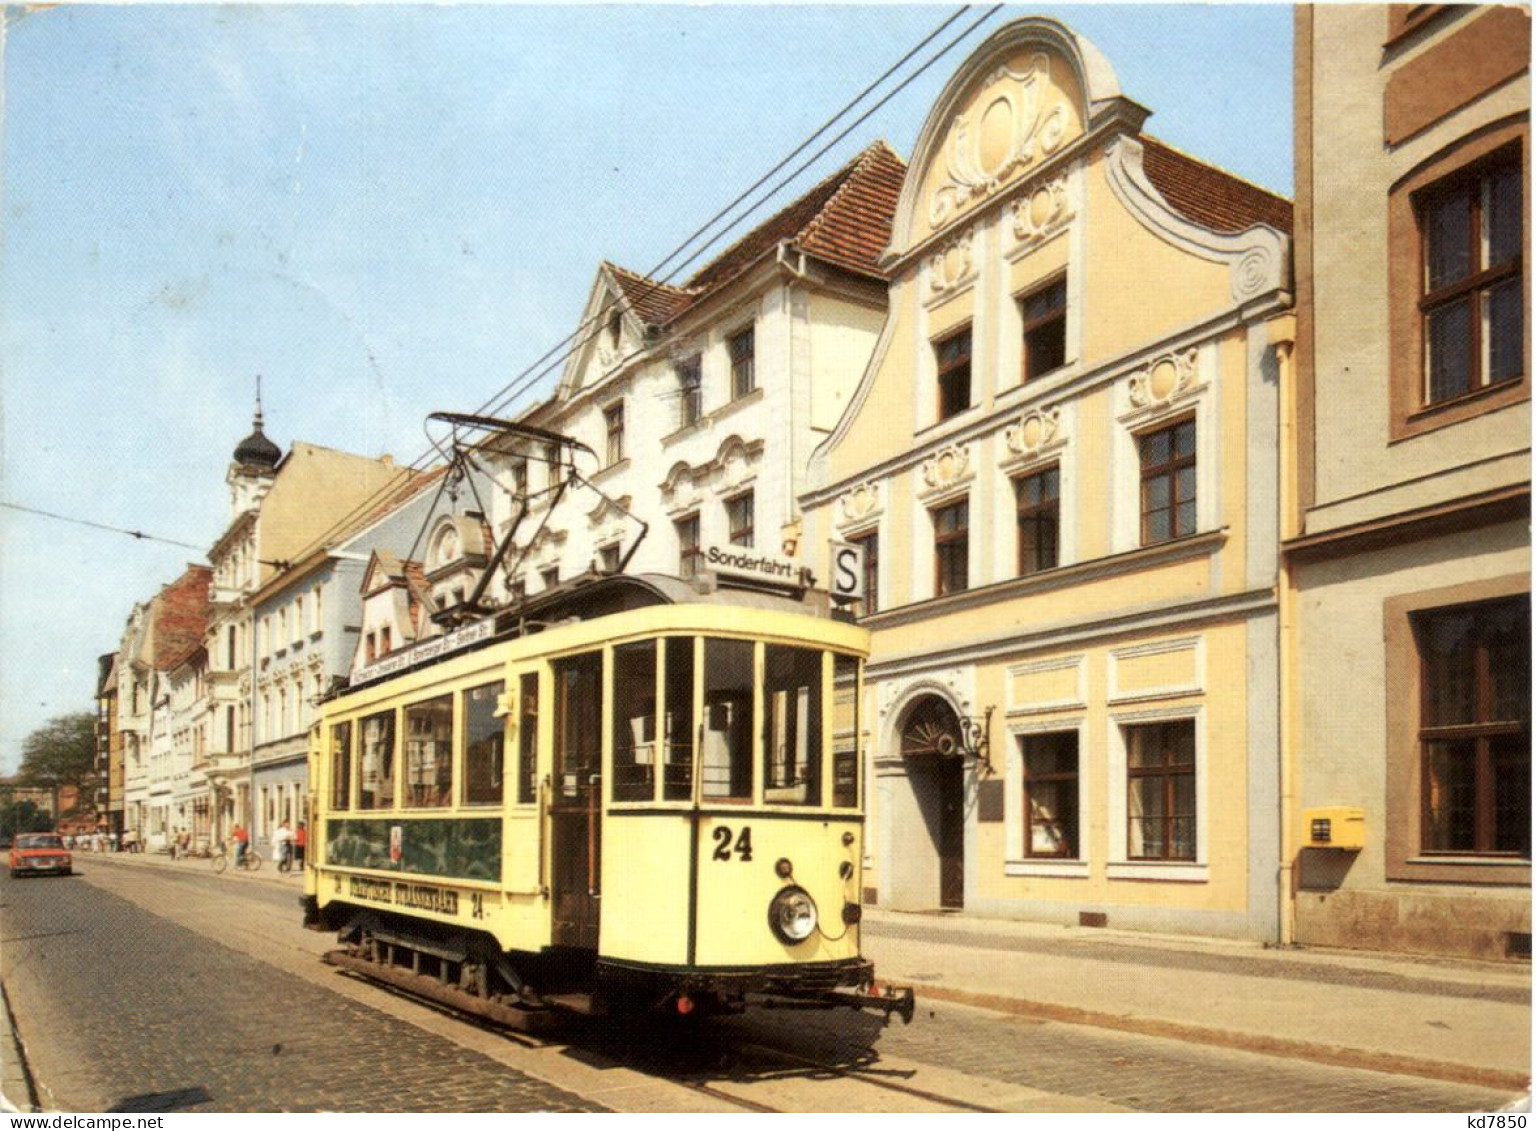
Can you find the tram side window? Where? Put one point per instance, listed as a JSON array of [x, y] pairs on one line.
[[791, 726], [845, 732], [677, 772], [578, 725], [429, 753], [727, 772], [376, 766], [528, 738], [341, 766], [634, 722], [484, 741]]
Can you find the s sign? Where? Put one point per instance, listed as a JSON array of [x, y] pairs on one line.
[[847, 582]]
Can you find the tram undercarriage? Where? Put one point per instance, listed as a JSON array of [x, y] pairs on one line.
[[467, 971]]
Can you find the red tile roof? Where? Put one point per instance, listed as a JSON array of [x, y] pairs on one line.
[[845, 220], [181, 617], [1211, 197]]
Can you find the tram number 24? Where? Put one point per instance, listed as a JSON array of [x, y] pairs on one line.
[[724, 848]]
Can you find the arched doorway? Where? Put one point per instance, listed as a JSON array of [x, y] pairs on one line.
[[930, 749]]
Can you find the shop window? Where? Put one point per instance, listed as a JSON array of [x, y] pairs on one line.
[[1045, 329], [954, 369], [1160, 790], [634, 722], [1050, 794], [1168, 483], [727, 753], [1475, 728], [743, 351], [951, 548], [376, 763], [791, 725], [1038, 505]]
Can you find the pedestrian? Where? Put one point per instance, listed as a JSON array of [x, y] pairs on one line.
[[282, 839], [175, 844], [112, 841], [185, 844], [242, 841], [300, 843]]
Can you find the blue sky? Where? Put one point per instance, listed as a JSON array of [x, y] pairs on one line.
[[391, 210]]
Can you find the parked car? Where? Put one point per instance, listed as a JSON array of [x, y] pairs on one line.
[[40, 852]]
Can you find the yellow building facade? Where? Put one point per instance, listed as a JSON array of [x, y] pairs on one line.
[[1061, 468]]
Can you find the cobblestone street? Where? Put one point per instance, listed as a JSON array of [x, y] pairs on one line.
[[123, 1011], [219, 1002]]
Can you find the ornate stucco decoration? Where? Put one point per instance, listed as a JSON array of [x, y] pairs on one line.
[[735, 463], [1164, 380], [545, 549], [859, 506], [609, 510], [679, 491], [953, 266], [1256, 258], [997, 136], [1041, 213], [1035, 434], [946, 469]]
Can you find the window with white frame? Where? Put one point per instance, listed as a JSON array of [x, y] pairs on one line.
[[1161, 795], [1050, 794]]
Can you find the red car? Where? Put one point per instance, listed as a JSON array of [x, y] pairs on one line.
[[40, 852]]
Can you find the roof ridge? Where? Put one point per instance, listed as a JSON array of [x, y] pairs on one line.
[[842, 172], [612, 266], [1222, 169], [866, 156]]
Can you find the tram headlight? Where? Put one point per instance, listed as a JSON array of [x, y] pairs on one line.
[[792, 915]]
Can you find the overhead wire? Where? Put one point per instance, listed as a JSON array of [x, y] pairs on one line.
[[589, 327]]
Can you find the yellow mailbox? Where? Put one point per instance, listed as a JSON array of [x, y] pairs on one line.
[[1337, 826]]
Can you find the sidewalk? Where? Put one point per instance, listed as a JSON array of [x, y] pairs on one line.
[[1441, 1018]]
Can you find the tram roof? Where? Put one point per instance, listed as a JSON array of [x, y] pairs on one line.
[[591, 596]]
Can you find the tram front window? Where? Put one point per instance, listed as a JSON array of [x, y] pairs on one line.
[[727, 755], [845, 732], [677, 770], [376, 766], [791, 726], [634, 722]]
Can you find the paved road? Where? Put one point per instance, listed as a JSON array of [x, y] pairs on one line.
[[123, 1011], [185, 991]]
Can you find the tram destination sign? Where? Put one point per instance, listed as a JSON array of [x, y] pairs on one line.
[[455, 641], [758, 565]]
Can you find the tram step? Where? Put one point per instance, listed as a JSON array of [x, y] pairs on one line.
[[571, 1003]]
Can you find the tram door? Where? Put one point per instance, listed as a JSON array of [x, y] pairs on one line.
[[576, 804]]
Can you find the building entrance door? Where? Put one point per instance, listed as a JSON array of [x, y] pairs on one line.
[[931, 747]]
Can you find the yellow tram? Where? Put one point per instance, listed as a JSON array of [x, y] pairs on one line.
[[625, 792]]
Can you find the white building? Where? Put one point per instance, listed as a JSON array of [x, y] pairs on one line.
[[700, 404]]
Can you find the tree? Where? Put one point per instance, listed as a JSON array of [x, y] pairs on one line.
[[23, 817], [60, 753]]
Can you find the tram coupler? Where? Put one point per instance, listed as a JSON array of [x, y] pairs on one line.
[[888, 999]]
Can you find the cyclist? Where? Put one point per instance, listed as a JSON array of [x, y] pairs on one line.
[[242, 841]]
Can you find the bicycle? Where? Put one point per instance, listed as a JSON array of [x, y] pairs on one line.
[[285, 859], [251, 862]]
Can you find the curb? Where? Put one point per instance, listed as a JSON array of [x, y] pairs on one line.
[[1334, 1055], [18, 1094]]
